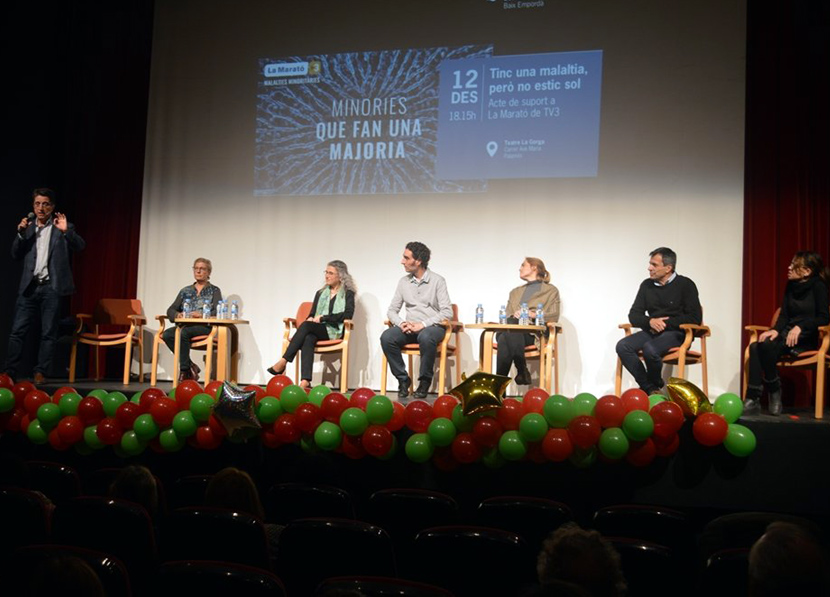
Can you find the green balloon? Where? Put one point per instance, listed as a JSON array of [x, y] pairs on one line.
[[291, 397], [6, 400], [172, 393], [353, 421], [328, 436], [533, 427], [308, 445], [613, 443], [69, 404], [201, 405], [558, 411], [170, 440], [145, 427], [131, 444], [655, 399], [419, 447], [739, 441], [582, 458], [638, 425], [317, 393], [462, 422], [379, 410], [99, 394], [584, 404], [184, 424], [512, 445], [730, 406], [441, 431], [91, 438], [112, 401], [493, 459], [268, 410], [136, 399], [36, 433], [49, 415]]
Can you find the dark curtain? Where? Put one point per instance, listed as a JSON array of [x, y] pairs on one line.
[[787, 184]]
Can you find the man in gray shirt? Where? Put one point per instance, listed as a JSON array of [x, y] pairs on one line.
[[424, 293]]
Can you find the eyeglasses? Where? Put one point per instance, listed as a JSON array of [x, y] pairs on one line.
[[200, 269]]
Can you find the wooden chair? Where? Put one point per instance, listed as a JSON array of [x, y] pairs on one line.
[[445, 349], [548, 355], [680, 356], [809, 359], [119, 313], [338, 345], [205, 342]]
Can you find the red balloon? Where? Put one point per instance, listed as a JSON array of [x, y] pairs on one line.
[[33, 401], [510, 414], [24, 423], [710, 429], [56, 442], [666, 446], [13, 422], [535, 452], [276, 384], [377, 440], [163, 410], [185, 391], [352, 447], [60, 392], [286, 430], [534, 400], [584, 431], [268, 438], [465, 449], [71, 429], [635, 399], [213, 387], [557, 445], [217, 427], [487, 431], [418, 415], [149, 396], [610, 411], [260, 392], [667, 417], [360, 397], [333, 406], [109, 431], [91, 410], [641, 453], [444, 406], [126, 414], [308, 417], [443, 459], [21, 389], [6, 381], [207, 439], [397, 421]]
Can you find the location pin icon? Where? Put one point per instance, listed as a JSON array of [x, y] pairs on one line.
[[492, 148]]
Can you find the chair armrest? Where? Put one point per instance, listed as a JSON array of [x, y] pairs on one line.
[[387, 323], [555, 328], [456, 326], [348, 324], [81, 317], [626, 327], [757, 328], [824, 334], [137, 319], [289, 320], [697, 330]]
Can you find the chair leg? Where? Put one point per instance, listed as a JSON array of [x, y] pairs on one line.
[[442, 372], [383, 366], [618, 378], [344, 369], [97, 363], [820, 370], [141, 356], [411, 376], [72, 361], [209, 361], [154, 364], [128, 357]]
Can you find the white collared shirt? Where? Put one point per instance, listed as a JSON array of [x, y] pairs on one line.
[[44, 235]]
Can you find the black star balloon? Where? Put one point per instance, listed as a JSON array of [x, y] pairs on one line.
[[481, 392], [235, 410]]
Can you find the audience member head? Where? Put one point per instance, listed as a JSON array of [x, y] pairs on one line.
[[541, 272], [234, 489], [420, 252], [137, 484], [65, 575], [556, 588], [581, 557], [343, 272], [787, 560], [204, 263], [668, 256], [812, 261]]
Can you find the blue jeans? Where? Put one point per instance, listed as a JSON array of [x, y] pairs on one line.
[[649, 376], [36, 298], [392, 341]]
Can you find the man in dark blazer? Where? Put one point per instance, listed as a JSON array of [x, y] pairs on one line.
[[45, 244]]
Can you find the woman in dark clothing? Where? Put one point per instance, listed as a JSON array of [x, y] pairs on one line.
[[803, 310], [332, 304]]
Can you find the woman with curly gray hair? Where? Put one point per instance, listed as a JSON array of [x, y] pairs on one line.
[[332, 304]]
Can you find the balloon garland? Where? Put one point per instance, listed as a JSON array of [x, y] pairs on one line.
[[463, 427]]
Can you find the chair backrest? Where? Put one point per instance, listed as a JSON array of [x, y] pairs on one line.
[[454, 312], [285, 502], [116, 311], [58, 482], [206, 577], [27, 518], [303, 312]]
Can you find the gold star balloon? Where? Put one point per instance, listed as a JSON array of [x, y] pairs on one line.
[[688, 396], [235, 410], [480, 392]]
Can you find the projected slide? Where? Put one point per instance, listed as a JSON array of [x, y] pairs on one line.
[[436, 120]]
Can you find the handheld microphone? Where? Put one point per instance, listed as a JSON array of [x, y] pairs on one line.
[[31, 216]]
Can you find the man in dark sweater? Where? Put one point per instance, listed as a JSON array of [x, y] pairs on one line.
[[664, 301]]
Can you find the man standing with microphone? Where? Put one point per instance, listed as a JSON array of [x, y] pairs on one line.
[[44, 242]]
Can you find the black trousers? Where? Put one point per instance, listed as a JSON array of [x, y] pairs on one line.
[[305, 339], [763, 357], [512, 350]]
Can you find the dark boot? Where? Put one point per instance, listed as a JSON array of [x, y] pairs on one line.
[[774, 393], [752, 401], [423, 389]]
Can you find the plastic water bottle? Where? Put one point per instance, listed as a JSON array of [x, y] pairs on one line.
[[524, 315], [479, 314], [540, 315], [186, 307], [502, 314], [206, 310], [235, 310], [220, 310]]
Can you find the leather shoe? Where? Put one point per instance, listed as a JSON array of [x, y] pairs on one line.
[[751, 406], [194, 371], [523, 378], [403, 388], [39, 378], [185, 374], [423, 390]]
